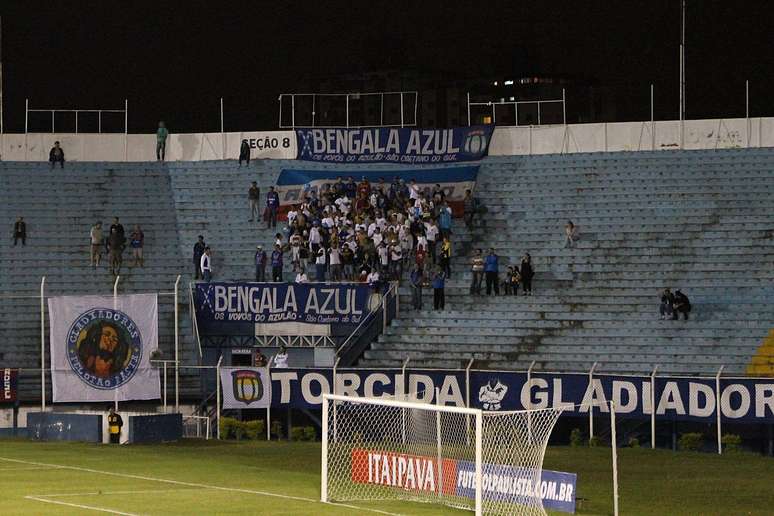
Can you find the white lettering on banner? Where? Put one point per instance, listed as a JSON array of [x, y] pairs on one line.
[[404, 471], [306, 387], [671, 399], [450, 393], [256, 300], [744, 404], [695, 407], [631, 390], [541, 397], [647, 407], [764, 397], [347, 384], [284, 379], [425, 393], [557, 401], [373, 379], [594, 397]]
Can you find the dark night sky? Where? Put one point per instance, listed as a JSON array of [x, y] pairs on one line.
[[173, 60]]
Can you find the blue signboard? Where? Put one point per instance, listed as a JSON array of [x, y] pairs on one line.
[[692, 399], [392, 145], [223, 305]]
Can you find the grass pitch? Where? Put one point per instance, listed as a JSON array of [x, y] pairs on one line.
[[196, 477]]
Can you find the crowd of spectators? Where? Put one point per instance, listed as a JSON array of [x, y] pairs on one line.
[[350, 231]]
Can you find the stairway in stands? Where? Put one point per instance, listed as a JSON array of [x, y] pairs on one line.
[[700, 221], [60, 206]]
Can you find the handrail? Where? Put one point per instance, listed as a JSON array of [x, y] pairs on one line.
[[371, 314]]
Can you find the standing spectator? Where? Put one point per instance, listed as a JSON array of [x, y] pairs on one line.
[[417, 279], [244, 153], [570, 234], [276, 263], [431, 233], [396, 262], [136, 242], [254, 197], [373, 279], [272, 205], [347, 258], [115, 249], [527, 273], [161, 141], [301, 277], [446, 256], [491, 269], [514, 278], [206, 265], [115, 422], [682, 305], [445, 220], [20, 231], [667, 304], [320, 265], [260, 264], [95, 237], [118, 227], [334, 260], [281, 358], [477, 267], [439, 296], [470, 207], [56, 154], [198, 251], [260, 359]]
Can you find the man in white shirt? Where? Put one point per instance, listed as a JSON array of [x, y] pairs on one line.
[[377, 237], [301, 277], [373, 278], [206, 265], [281, 358], [334, 260], [431, 233], [292, 214], [413, 190]]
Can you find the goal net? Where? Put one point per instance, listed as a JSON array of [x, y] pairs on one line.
[[487, 462]]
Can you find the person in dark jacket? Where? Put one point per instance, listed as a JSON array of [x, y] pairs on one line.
[[114, 426], [56, 155], [527, 273], [276, 263], [439, 294], [417, 279], [667, 304], [115, 244], [118, 227], [682, 305], [254, 197], [244, 153], [272, 206], [491, 269], [20, 231], [198, 251], [260, 264]]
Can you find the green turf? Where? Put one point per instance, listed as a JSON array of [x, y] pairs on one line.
[[652, 482]]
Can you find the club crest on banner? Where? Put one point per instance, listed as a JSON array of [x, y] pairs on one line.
[[104, 348], [247, 386], [491, 395]]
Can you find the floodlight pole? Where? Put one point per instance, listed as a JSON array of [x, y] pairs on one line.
[[217, 395], [682, 60]]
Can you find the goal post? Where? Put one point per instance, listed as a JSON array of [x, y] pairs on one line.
[[383, 449]]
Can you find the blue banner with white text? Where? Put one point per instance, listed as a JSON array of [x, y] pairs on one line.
[[743, 400], [410, 146], [223, 307]]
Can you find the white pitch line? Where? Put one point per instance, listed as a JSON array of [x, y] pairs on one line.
[[192, 484], [99, 493], [79, 506], [24, 468]]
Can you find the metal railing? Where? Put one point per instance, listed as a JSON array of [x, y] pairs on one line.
[[492, 105], [315, 100]]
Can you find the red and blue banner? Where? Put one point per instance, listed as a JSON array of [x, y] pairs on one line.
[[453, 477], [392, 145], [294, 184]]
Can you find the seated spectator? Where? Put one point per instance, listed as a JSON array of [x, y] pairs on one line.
[[682, 305], [56, 155], [301, 277], [570, 234], [667, 304]]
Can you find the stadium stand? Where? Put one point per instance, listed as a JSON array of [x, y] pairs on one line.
[[700, 221], [696, 220], [60, 206]]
